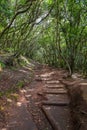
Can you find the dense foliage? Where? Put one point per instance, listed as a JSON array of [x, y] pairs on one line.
[[49, 31]]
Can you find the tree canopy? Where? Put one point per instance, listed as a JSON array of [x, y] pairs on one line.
[[49, 31]]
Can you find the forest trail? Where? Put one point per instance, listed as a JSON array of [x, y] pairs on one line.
[[47, 102], [35, 37]]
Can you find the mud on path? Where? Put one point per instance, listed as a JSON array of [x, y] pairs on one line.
[[52, 100]]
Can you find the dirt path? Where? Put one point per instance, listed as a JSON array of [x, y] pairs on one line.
[[47, 100], [56, 101], [50, 102]]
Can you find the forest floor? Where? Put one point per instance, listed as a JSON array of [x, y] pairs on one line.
[[42, 98]]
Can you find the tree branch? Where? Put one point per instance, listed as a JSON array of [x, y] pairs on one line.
[[19, 12], [46, 15]]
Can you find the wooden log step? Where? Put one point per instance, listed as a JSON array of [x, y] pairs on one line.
[[58, 116], [53, 82], [56, 99], [55, 91]]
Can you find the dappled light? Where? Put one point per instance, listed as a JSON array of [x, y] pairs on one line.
[[23, 71], [19, 104], [47, 74], [23, 91], [43, 64]]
